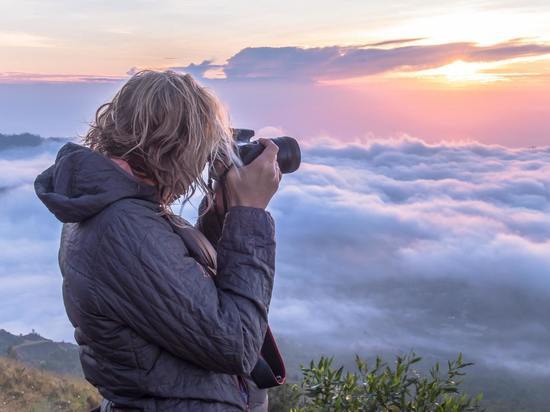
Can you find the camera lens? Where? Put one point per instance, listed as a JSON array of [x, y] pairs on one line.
[[288, 157]]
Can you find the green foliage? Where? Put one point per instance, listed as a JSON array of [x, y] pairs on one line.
[[381, 388], [285, 397]]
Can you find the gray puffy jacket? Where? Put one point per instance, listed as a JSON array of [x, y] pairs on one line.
[[155, 330]]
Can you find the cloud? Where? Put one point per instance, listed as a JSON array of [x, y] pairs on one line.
[[15, 172], [339, 62], [398, 244], [21, 77], [394, 41], [30, 282], [383, 246]]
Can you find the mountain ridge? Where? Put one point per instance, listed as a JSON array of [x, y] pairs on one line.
[[25, 140], [42, 353]]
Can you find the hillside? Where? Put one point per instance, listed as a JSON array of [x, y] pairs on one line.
[[24, 388], [39, 352]]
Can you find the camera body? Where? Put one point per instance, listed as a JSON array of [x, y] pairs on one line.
[[289, 156]]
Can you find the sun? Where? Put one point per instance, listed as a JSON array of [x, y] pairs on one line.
[[461, 72]]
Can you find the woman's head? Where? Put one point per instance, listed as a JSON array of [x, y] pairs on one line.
[[166, 126]]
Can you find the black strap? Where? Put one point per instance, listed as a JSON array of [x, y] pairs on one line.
[[225, 202], [199, 248], [270, 368]]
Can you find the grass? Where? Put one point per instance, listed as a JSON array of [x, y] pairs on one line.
[[24, 388]]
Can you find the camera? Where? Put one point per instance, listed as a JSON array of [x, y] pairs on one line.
[[288, 157]]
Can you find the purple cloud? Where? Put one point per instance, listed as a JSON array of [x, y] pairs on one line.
[[338, 62], [20, 77]]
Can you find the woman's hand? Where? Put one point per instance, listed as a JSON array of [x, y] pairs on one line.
[[255, 184]]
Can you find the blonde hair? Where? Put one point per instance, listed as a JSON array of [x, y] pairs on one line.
[[167, 127]]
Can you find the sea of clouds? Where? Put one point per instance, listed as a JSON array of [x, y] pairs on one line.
[[384, 246], [396, 245]]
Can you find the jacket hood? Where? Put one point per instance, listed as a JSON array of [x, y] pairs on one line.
[[81, 183]]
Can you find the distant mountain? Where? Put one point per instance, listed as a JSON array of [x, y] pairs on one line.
[[39, 352], [12, 141]]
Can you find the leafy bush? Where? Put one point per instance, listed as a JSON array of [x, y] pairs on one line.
[[382, 388]]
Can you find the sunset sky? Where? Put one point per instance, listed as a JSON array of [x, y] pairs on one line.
[[458, 70]]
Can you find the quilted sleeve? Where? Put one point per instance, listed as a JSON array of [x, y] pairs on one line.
[[168, 299]]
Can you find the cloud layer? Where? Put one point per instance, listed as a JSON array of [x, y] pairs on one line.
[[383, 246], [398, 245], [21, 77], [30, 282], [340, 62]]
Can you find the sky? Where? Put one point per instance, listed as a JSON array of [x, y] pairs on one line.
[[459, 70]]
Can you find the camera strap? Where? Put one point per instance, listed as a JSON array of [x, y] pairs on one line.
[[269, 370]]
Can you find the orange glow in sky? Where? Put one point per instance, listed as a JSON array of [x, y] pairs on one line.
[[461, 72], [393, 61]]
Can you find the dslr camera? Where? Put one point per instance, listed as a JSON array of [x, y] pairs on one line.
[[288, 157]]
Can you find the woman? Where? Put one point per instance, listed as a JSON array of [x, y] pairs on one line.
[[156, 331]]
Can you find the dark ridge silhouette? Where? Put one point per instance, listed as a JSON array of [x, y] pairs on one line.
[[13, 141]]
